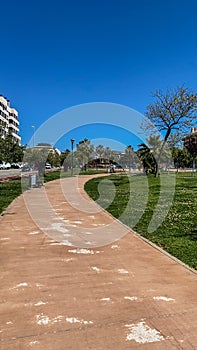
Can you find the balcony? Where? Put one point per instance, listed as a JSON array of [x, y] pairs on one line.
[[14, 119]]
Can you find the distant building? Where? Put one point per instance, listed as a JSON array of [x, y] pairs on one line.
[[9, 122], [190, 142], [48, 147]]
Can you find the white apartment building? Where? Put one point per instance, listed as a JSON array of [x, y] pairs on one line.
[[8, 120]]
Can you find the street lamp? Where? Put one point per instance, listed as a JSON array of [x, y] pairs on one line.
[[33, 126], [72, 144]]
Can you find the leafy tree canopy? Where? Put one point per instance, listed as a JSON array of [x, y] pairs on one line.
[[10, 150]]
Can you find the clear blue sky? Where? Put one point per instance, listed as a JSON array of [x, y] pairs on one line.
[[56, 54]]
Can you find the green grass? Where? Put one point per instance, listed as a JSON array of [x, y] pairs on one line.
[[92, 172], [9, 190], [135, 201], [54, 175]]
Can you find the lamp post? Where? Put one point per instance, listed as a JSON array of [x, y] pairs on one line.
[[72, 144], [33, 126]]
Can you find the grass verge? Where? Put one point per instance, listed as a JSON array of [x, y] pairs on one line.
[[135, 201], [9, 190]]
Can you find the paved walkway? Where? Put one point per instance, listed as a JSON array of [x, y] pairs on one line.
[[62, 289]]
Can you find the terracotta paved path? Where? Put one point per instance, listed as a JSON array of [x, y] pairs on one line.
[[125, 295]]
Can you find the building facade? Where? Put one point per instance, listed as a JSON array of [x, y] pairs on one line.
[[190, 142], [9, 122]]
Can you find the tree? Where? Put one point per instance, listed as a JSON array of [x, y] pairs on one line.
[[100, 151], [172, 111], [84, 151], [10, 150], [53, 159], [65, 159], [147, 158], [155, 143], [107, 153], [37, 157], [130, 158], [1, 150], [181, 158]]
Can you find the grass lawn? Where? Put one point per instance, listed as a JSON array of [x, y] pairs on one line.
[[134, 200], [9, 190], [53, 175]]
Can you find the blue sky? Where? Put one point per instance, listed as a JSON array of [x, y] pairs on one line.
[[55, 55]]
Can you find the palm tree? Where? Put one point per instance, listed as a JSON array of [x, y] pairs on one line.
[[147, 158]]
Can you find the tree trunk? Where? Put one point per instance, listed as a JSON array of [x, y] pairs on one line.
[[160, 153]]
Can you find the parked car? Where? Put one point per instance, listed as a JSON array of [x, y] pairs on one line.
[[5, 166], [15, 166], [48, 166], [26, 167]]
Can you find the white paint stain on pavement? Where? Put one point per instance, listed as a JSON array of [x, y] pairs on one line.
[[34, 233], [76, 320], [65, 242], [105, 299], [66, 223], [98, 224], [23, 284], [131, 298], [163, 298], [58, 227], [39, 303], [83, 251], [123, 271], [142, 333], [20, 285], [114, 246], [94, 268], [4, 239], [68, 259], [34, 342], [43, 320]]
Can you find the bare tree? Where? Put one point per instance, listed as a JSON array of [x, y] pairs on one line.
[[172, 112]]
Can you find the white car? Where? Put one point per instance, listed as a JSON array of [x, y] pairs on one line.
[[48, 166], [4, 166]]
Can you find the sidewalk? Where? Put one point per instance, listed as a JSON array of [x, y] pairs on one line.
[[62, 289]]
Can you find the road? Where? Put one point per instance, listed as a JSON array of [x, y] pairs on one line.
[[10, 172]]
